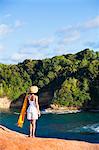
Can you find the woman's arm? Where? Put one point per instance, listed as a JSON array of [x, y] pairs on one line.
[[37, 105]]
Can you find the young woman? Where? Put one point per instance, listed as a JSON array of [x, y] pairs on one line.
[[33, 111]]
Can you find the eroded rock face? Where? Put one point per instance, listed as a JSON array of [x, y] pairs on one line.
[[10, 140], [5, 102], [18, 102], [44, 100]]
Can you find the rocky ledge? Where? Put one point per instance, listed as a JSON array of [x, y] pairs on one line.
[[10, 140]]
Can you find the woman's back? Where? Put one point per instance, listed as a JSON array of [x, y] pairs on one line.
[[32, 104]]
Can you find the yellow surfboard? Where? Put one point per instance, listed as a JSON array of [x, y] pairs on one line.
[[22, 113]]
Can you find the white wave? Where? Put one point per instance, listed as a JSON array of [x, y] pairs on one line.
[[59, 112], [91, 128], [16, 113]]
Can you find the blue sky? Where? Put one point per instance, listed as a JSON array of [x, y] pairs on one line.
[[38, 29]]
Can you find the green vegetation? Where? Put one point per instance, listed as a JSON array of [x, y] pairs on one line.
[[73, 78]]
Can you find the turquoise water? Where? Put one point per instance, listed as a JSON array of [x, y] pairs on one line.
[[76, 126]]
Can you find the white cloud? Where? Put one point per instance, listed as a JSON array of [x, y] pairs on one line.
[[64, 30], [17, 57], [89, 24], [93, 23], [37, 55], [58, 44], [73, 36], [68, 37], [37, 49], [5, 29], [34, 49], [41, 43], [71, 33]]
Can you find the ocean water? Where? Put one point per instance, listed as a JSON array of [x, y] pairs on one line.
[[82, 126]]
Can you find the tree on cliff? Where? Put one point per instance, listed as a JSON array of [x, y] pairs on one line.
[[72, 77]]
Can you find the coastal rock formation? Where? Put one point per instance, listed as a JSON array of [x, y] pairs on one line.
[[5, 102], [10, 140], [44, 100], [18, 102]]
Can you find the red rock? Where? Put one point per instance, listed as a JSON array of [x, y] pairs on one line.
[[10, 140]]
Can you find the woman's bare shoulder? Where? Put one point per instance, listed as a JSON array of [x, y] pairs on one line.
[[36, 97]]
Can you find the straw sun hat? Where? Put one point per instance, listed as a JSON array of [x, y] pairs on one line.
[[33, 89]]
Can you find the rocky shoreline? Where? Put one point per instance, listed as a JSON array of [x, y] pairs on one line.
[[11, 140], [61, 110]]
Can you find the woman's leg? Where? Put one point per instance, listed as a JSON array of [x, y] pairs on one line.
[[30, 130], [33, 127]]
